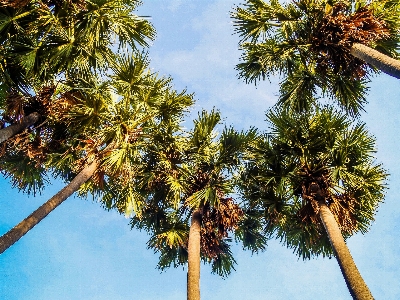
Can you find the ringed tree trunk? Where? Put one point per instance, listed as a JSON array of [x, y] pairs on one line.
[[13, 235], [193, 276], [14, 129], [377, 59], [355, 283]]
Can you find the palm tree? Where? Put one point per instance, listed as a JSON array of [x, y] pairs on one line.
[[188, 209], [100, 135], [323, 46], [315, 180], [43, 43]]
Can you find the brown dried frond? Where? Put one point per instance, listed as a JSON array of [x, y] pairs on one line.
[[343, 207], [338, 32], [41, 103], [311, 179], [45, 94], [132, 135], [63, 104], [14, 3], [198, 181], [307, 214], [216, 223], [18, 106], [32, 145], [98, 178], [14, 107], [90, 149], [158, 182]]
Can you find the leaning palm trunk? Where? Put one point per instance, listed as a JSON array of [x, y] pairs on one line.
[[375, 58], [193, 279], [355, 283], [14, 129], [12, 236]]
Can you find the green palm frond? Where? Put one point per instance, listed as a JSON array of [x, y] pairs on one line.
[[298, 91], [131, 73], [24, 173], [115, 18], [232, 145], [170, 243], [224, 263], [176, 190], [198, 198], [265, 59], [203, 132], [12, 21], [351, 93], [177, 235], [173, 106], [250, 231], [50, 42]]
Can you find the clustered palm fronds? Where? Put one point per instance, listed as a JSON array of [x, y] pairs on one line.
[[193, 172], [51, 52], [67, 38], [45, 43], [216, 225], [50, 3], [93, 104], [308, 158], [315, 186], [309, 42], [338, 31]]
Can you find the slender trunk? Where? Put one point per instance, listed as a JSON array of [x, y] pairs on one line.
[[355, 283], [13, 235], [379, 60], [193, 279], [12, 130]]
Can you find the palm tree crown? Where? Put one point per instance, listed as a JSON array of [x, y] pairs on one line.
[[309, 158], [193, 173], [44, 39], [99, 131], [310, 43], [44, 44]]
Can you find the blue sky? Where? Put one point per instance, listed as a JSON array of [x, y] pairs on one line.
[[81, 251]]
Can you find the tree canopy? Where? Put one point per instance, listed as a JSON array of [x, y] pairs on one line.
[[321, 148], [309, 43], [194, 171]]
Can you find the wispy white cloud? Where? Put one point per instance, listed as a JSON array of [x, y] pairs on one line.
[[173, 5], [208, 69]]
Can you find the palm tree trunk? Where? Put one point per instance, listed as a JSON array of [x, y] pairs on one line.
[[375, 58], [193, 279], [13, 235], [12, 130], [355, 283]]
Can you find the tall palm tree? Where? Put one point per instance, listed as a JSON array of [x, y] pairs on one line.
[[43, 43], [188, 209], [99, 134], [323, 45], [316, 182]]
